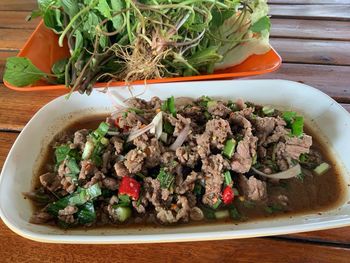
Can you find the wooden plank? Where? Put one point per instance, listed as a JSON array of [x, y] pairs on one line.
[[13, 39], [316, 29], [18, 107], [17, 19], [17, 5], [6, 141], [244, 250], [336, 236], [333, 80], [334, 12], [312, 51], [312, 2]]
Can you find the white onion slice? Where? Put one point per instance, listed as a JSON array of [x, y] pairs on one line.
[[290, 173], [117, 102], [180, 138], [155, 127]]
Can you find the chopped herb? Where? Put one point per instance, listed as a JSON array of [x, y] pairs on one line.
[[208, 212], [124, 200], [301, 177], [203, 101], [297, 126], [322, 168], [64, 151], [73, 166], [197, 189], [168, 128], [212, 103], [229, 148], [217, 204], [171, 106], [234, 214], [288, 116], [86, 213], [166, 179], [222, 214], [83, 195], [228, 179], [121, 213]]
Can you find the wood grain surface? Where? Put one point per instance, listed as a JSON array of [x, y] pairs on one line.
[[312, 37]]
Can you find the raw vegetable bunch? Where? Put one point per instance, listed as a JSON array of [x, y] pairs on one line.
[[143, 39]]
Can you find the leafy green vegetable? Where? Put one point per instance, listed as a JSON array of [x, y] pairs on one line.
[[297, 126], [86, 213], [168, 128], [83, 195], [124, 200], [217, 204], [208, 212], [166, 179], [64, 151], [73, 166], [234, 214], [21, 72], [262, 24]]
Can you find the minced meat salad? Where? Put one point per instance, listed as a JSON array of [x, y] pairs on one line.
[[183, 160]]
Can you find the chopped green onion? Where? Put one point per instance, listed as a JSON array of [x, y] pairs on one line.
[[88, 149], [101, 131], [322, 168], [297, 126], [255, 159], [288, 116], [121, 213], [229, 147], [73, 166], [104, 141], [83, 195], [228, 179], [217, 204], [64, 151], [171, 105], [197, 190], [164, 106], [268, 110], [208, 212], [222, 214]]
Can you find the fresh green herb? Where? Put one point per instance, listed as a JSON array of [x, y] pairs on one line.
[[297, 126], [86, 213], [171, 105], [73, 166], [234, 214], [203, 101], [304, 157], [207, 115], [101, 131], [228, 179], [229, 148], [168, 128], [83, 195], [217, 204], [198, 189], [289, 116], [322, 168], [64, 151], [124, 200], [211, 103], [166, 179], [21, 72], [262, 24], [301, 176], [208, 212]]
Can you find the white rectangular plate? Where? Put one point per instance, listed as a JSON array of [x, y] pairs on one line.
[[317, 107]]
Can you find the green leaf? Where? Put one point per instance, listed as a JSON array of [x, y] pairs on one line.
[[63, 151], [124, 200], [117, 20], [262, 24], [21, 72], [59, 69], [297, 126], [86, 214], [219, 17], [83, 195], [288, 116], [73, 166], [166, 179], [79, 44], [70, 7], [234, 213], [104, 8]]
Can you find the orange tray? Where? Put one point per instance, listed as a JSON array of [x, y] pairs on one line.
[[43, 50]]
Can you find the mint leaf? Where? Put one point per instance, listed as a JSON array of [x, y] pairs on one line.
[[21, 72], [262, 24], [117, 6], [104, 8], [70, 7]]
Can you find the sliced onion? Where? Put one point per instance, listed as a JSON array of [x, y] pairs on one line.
[[116, 101], [180, 138], [290, 173], [156, 127]]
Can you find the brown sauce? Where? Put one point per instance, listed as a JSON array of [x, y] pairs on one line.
[[314, 194]]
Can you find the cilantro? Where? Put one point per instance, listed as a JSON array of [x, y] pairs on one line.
[[166, 179]]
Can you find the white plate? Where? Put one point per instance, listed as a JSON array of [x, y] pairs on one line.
[[17, 172]]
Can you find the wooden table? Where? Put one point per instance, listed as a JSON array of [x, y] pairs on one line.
[[313, 38]]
